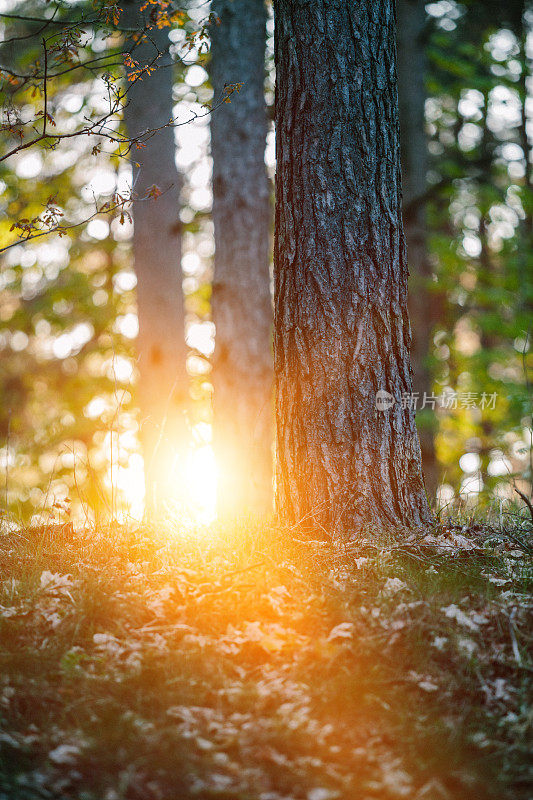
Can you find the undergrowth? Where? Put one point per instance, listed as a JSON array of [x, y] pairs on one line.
[[249, 663]]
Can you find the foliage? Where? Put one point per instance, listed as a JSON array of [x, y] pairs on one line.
[[39, 63], [67, 303], [480, 204]]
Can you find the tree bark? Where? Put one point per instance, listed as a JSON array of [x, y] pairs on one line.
[[522, 31], [341, 328], [423, 304], [242, 306], [163, 382]]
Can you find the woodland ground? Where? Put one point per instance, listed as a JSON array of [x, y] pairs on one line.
[[253, 664]]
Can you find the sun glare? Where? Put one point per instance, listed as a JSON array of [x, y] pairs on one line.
[[200, 483], [193, 500]]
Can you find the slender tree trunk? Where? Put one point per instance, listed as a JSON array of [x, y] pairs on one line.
[[242, 306], [526, 19], [486, 281], [346, 461], [423, 304], [525, 271], [163, 384]]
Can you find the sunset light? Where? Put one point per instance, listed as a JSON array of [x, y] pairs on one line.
[[193, 500], [266, 422]]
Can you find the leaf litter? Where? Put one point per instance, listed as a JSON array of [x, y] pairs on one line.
[[145, 664]]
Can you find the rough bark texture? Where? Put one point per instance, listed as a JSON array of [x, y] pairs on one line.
[[242, 306], [341, 324], [163, 386], [423, 305]]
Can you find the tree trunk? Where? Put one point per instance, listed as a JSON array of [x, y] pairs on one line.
[[242, 306], [346, 461], [526, 17], [163, 384], [412, 70]]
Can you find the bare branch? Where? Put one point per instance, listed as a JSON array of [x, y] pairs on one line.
[[67, 46], [45, 88]]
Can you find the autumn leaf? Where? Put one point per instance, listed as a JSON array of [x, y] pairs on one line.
[[153, 192]]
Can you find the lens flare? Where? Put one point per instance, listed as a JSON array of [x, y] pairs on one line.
[[192, 500], [200, 483]]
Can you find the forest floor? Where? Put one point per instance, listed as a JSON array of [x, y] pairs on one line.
[[250, 664]]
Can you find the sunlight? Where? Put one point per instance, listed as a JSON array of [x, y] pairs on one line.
[[130, 482], [200, 483], [194, 497]]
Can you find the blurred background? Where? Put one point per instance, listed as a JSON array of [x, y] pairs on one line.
[[69, 424]]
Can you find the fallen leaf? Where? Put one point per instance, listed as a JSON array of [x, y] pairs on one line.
[[320, 793], [454, 612], [393, 586], [428, 686], [342, 631], [64, 754]]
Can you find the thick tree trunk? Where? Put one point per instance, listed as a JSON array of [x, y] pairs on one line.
[[341, 324], [163, 386], [242, 306], [423, 304]]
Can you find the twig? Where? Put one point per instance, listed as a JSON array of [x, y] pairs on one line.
[[45, 88], [526, 500]]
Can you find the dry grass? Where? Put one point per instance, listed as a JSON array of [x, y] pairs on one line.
[[157, 664]]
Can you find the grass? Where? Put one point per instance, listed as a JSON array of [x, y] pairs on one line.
[[250, 664]]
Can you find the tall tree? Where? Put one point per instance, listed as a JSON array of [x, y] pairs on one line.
[[242, 309], [163, 384], [412, 73], [346, 460]]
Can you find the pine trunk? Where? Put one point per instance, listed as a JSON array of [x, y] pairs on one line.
[[412, 70], [163, 382], [242, 306], [346, 461]]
